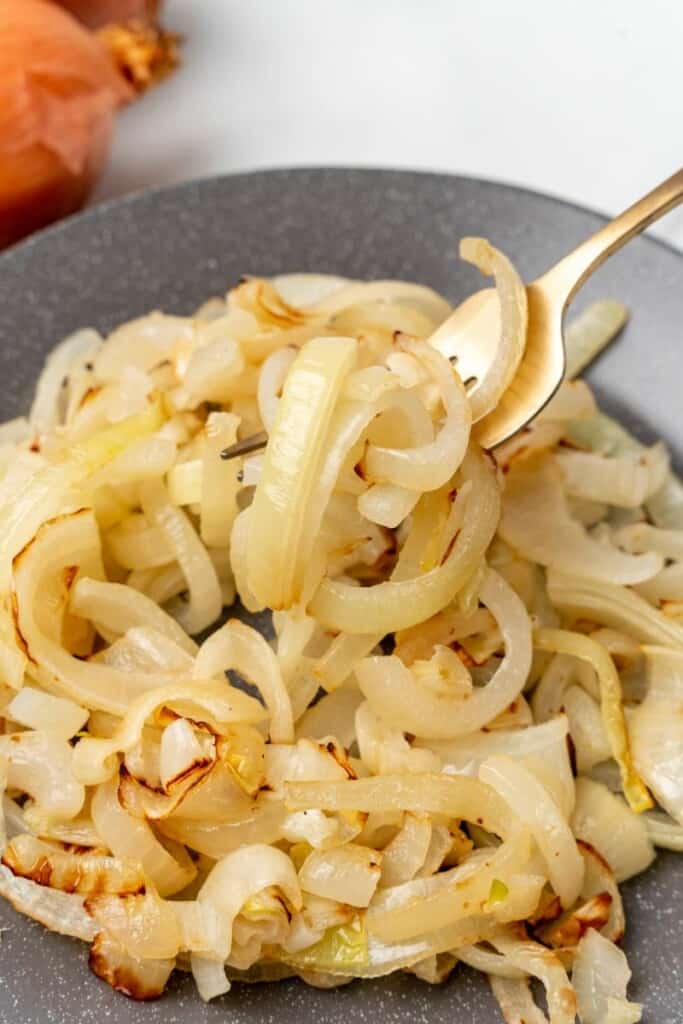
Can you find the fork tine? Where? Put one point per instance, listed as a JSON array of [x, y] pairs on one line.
[[246, 446]]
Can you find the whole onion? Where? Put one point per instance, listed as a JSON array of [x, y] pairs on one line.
[[58, 93]]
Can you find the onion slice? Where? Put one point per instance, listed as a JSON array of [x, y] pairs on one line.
[[513, 316], [121, 608], [205, 598], [276, 562], [212, 702], [614, 606], [514, 997], [348, 874], [540, 963], [561, 641], [429, 466], [71, 871], [220, 484], [591, 331], [536, 522], [600, 976], [61, 912], [625, 480], [460, 797], [242, 875], [239, 647], [655, 729], [129, 838], [394, 605], [397, 696], [604, 820], [42, 765], [532, 804], [45, 713]]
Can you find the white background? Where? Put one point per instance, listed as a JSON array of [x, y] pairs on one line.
[[581, 99]]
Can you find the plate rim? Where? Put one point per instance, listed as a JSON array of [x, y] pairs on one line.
[[97, 209]]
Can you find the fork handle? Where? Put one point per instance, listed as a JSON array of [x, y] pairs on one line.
[[564, 279]]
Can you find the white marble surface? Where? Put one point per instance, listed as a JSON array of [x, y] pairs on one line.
[[583, 100]]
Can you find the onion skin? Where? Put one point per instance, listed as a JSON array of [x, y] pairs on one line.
[[95, 13], [47, 191], [58, 94]]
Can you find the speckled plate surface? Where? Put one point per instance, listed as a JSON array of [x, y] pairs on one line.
[[173, 247]]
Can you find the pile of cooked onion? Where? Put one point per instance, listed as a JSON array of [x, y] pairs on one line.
[[447, 746]]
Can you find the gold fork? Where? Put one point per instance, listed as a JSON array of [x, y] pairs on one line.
[[470, 334]]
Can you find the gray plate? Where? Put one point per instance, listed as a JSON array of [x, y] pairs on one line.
[[173, 247]]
